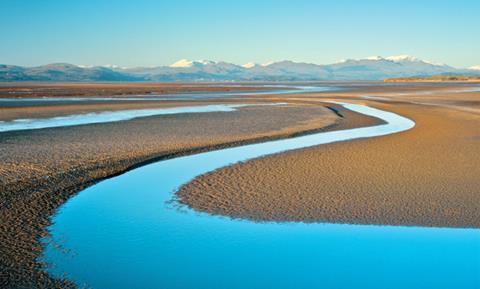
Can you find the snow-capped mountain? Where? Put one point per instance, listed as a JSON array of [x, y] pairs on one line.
[[185, 63], [377, 67], [402, 58], [250, 65], [111, 66], [369, 68]]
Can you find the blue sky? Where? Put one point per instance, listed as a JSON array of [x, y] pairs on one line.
[[149, 33]]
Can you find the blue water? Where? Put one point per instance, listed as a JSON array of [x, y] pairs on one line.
[[279, 89], [121, 115], [476, 89], [109, 116], [125, 232]]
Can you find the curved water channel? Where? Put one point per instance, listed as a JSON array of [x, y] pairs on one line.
[[125, 232]]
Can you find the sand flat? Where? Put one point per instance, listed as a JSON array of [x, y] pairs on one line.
[[41, 169], [427, 176]]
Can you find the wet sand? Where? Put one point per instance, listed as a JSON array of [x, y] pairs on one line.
[[427, 176], [41, 169], [65, 109], [49, 89]]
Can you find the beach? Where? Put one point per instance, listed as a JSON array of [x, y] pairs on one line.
[[426, 176], [41, 169]]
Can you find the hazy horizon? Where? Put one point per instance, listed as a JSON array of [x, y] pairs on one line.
[[113, 65], [148, 33]]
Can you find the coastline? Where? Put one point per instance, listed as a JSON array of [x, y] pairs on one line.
[[21, 232], [426, 176], [28, 204]]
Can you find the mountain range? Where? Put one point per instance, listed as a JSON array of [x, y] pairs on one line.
[[370, 68]]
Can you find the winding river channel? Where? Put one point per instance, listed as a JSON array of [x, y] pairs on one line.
[[126, 232]]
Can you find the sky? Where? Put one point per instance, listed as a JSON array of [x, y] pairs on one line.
[[151, 33]]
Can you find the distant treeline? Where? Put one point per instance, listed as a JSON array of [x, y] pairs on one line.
[[434, 78]]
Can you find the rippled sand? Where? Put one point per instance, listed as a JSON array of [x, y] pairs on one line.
[[427, 176], [41, 169]]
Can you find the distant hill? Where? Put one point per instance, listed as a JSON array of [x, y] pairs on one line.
[[62, 72], [371, 68]]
